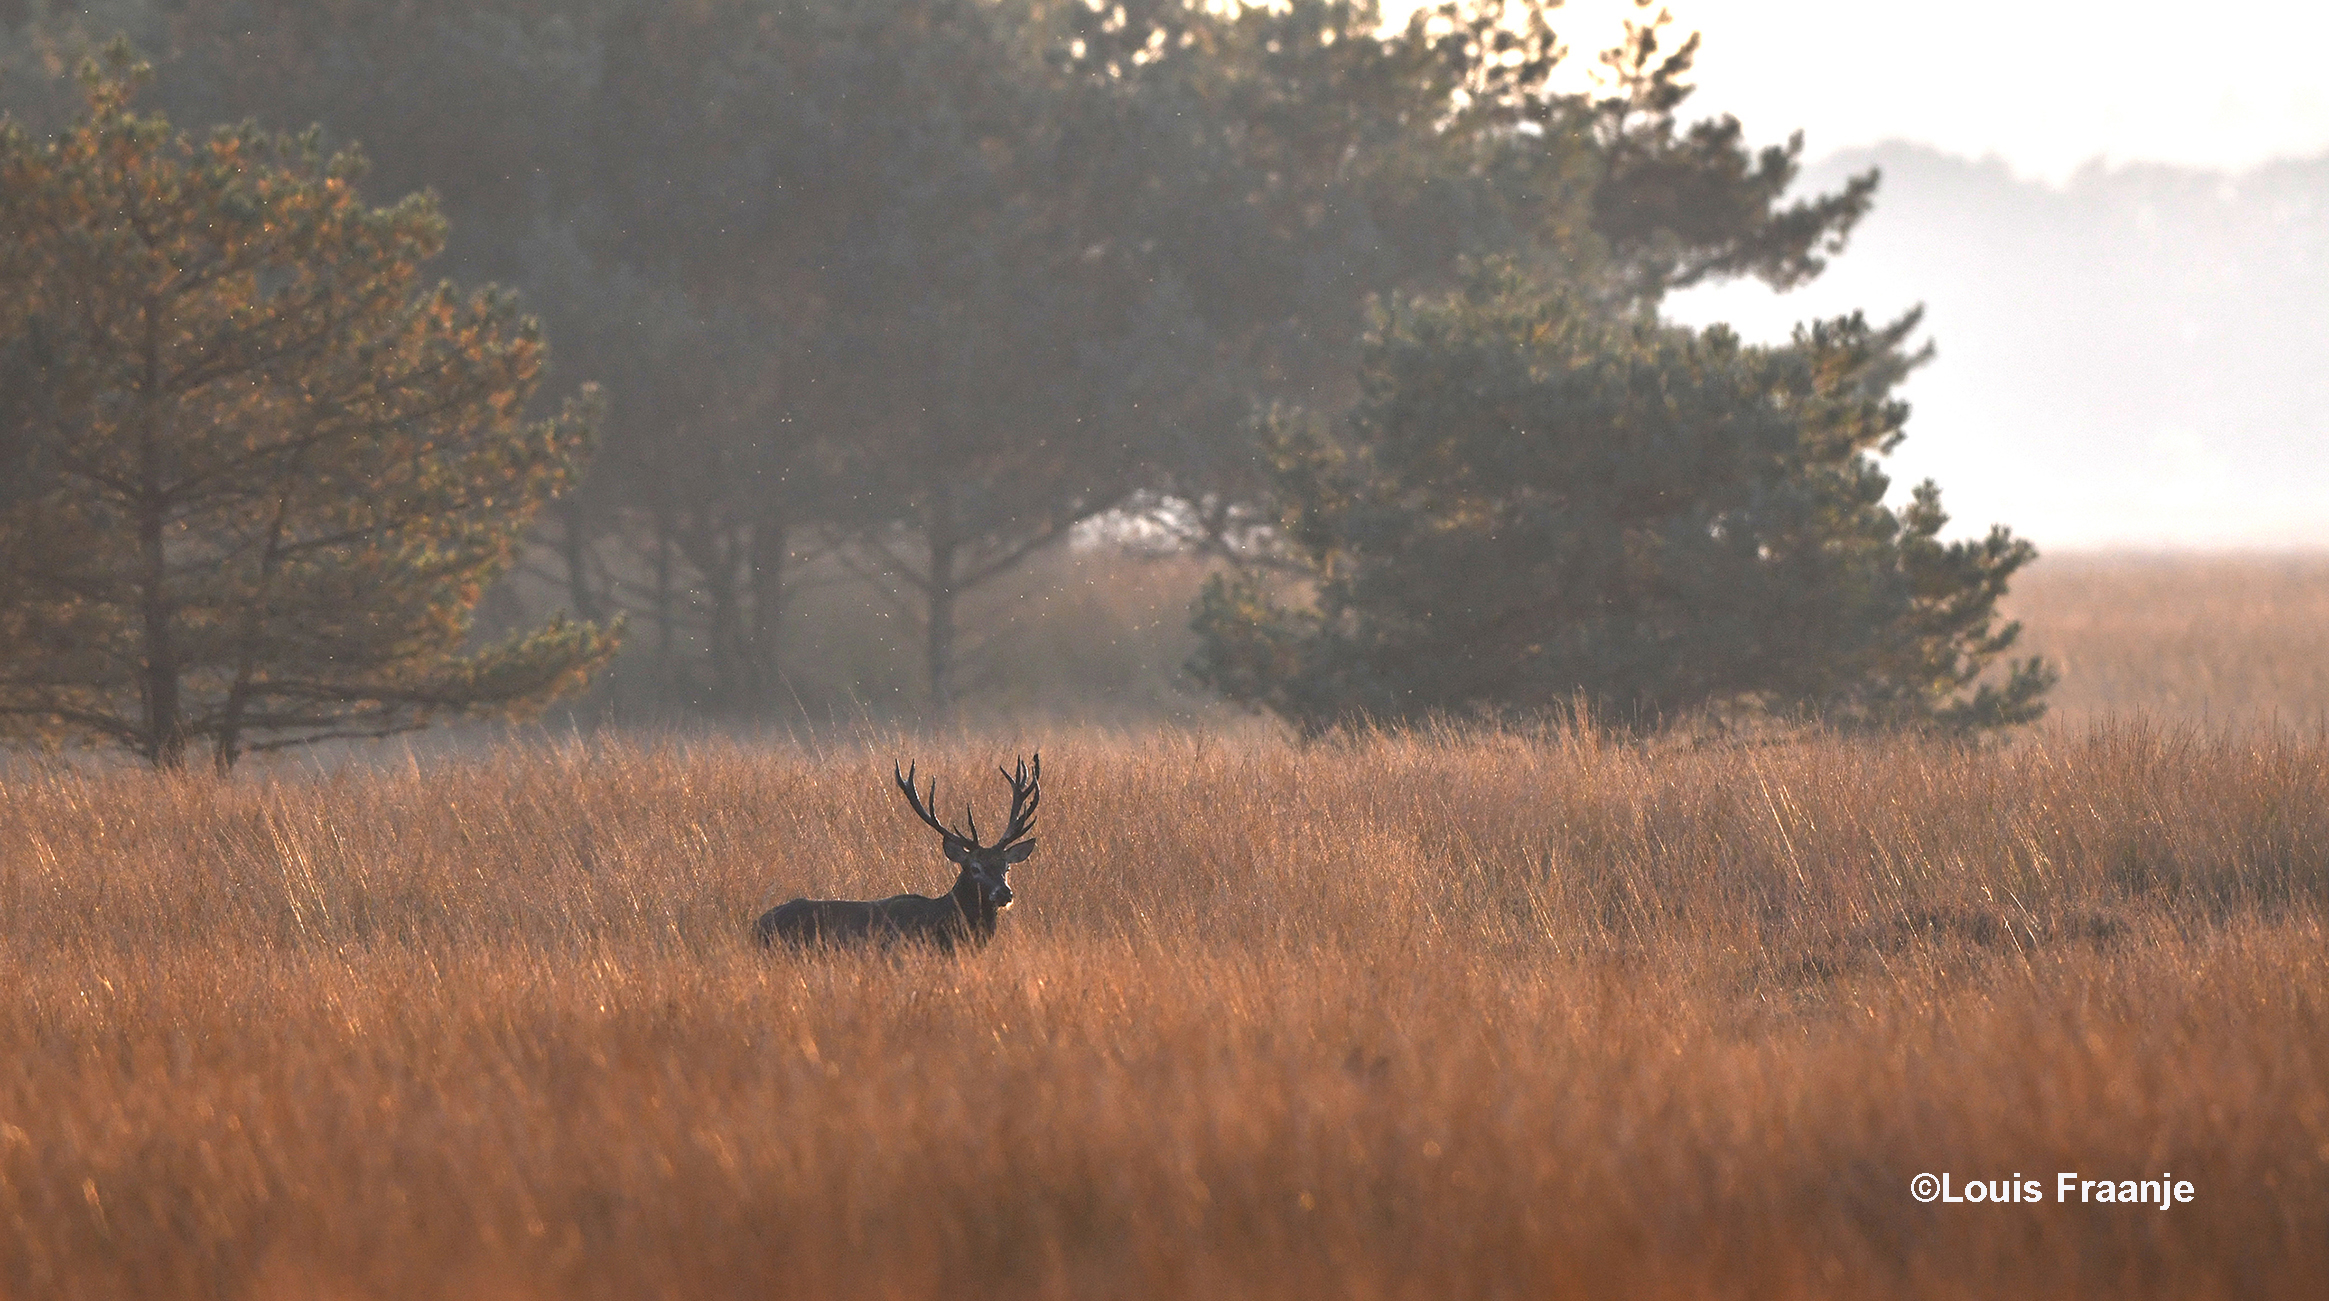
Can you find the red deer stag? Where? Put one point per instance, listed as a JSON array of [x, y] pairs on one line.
[[964, 915]]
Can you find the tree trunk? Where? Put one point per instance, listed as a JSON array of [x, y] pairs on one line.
[[766, 581], [165, 724], [571, 550], [713, 552], [663, 616], [229, 738], [945, 549]]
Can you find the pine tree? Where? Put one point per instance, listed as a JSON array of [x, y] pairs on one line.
[[1536, 505], [276, 471]]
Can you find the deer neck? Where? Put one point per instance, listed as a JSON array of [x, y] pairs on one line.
[[977, 913]]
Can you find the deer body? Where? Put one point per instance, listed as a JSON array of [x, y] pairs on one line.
[[960, 916], [964, 915]]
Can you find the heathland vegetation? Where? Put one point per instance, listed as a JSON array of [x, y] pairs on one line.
[[1396, 1015], [1399, 1015]]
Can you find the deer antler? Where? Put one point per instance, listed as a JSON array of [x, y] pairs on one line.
[[1026, 794], [922, 811]]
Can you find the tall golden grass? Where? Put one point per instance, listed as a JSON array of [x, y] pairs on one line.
[[1414, 1016], [2220, 641]]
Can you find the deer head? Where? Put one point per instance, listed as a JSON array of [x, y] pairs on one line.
[[985, 868]]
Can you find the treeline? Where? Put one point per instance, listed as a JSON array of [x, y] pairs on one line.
[[903, 292]]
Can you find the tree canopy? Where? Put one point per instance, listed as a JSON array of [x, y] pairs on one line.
[[1538, 506]]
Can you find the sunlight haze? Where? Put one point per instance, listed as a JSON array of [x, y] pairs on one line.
[[2044, 87]]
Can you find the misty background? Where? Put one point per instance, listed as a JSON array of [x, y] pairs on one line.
[[2134, 355]]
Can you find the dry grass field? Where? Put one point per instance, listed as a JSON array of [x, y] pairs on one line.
[[1426, 1016], [2222, 642]]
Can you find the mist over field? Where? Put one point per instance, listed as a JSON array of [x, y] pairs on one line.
[[2131, 356]]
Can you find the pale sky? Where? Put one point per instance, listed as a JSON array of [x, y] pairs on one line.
[[2043, 86]]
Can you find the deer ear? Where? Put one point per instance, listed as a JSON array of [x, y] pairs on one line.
[[1018, 853]]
